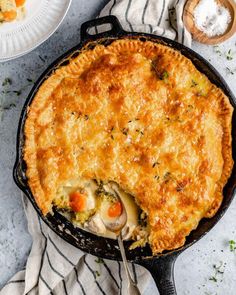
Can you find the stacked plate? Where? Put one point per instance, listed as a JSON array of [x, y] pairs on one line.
[[41, 20]]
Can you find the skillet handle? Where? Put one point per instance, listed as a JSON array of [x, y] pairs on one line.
[[111, 20], [162, 271]]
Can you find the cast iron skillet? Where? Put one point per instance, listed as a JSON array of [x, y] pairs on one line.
[[160, 266]]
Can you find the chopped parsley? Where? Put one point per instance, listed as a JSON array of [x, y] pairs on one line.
[[214, 279], [193, 83], [17, 92], [156, 177], [164, 75], [74, 113], [155, 163], [167, 175], [125, 131], [229, 55], [179, 188], [97, 273], [86, 117], [6, 82], [99, 260], [131, 121], [217, 50], [139, 131], [8, 107], [219, 271], [232, 246], [230, 71], [189, 108]]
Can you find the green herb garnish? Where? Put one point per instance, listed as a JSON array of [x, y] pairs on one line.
[[218, 271], [167, 175], [7, 81], [179, 188], [230, 71], [17, 92], [164, 75], [125, 131], [193, 84], [232, 246], [214, 279], [229, 55], [99, 260], [131, 121], [155, 163], [97, 273], [217, 50], [8, 107], [139, 131]]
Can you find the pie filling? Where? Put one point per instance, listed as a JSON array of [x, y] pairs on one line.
[[89, 204]]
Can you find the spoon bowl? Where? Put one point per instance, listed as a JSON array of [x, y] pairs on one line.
[[116, 225]]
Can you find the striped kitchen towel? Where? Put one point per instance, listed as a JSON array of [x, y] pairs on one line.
[[159, 17], [56, 267]]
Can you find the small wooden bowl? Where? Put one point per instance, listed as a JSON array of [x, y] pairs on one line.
[[198, 35]]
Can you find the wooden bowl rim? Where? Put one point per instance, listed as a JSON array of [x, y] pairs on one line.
[[201, 36]]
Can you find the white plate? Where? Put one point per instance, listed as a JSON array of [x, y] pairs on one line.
[[41, 20]]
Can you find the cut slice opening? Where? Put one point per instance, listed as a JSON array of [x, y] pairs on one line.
[[88, 204]]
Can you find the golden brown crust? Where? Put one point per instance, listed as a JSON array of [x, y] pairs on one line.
[[140, 114]]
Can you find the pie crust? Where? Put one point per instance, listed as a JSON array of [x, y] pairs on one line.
[[139, 114]]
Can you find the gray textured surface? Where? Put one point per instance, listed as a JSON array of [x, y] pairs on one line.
[[195, 266]]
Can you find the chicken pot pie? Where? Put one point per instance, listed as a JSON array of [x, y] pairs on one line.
[[138, 115]]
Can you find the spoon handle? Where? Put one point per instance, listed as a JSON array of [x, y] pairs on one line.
[[132, 287]]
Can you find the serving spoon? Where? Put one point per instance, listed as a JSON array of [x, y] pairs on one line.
[[116, 225]]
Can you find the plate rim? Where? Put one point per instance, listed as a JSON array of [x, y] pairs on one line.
[[24, 52]]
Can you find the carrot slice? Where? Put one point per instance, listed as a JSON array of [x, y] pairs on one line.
[[9, 15], [77, 201], [19, 3], [115, 210]]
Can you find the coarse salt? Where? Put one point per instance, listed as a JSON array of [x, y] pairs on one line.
[[211, 18]]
